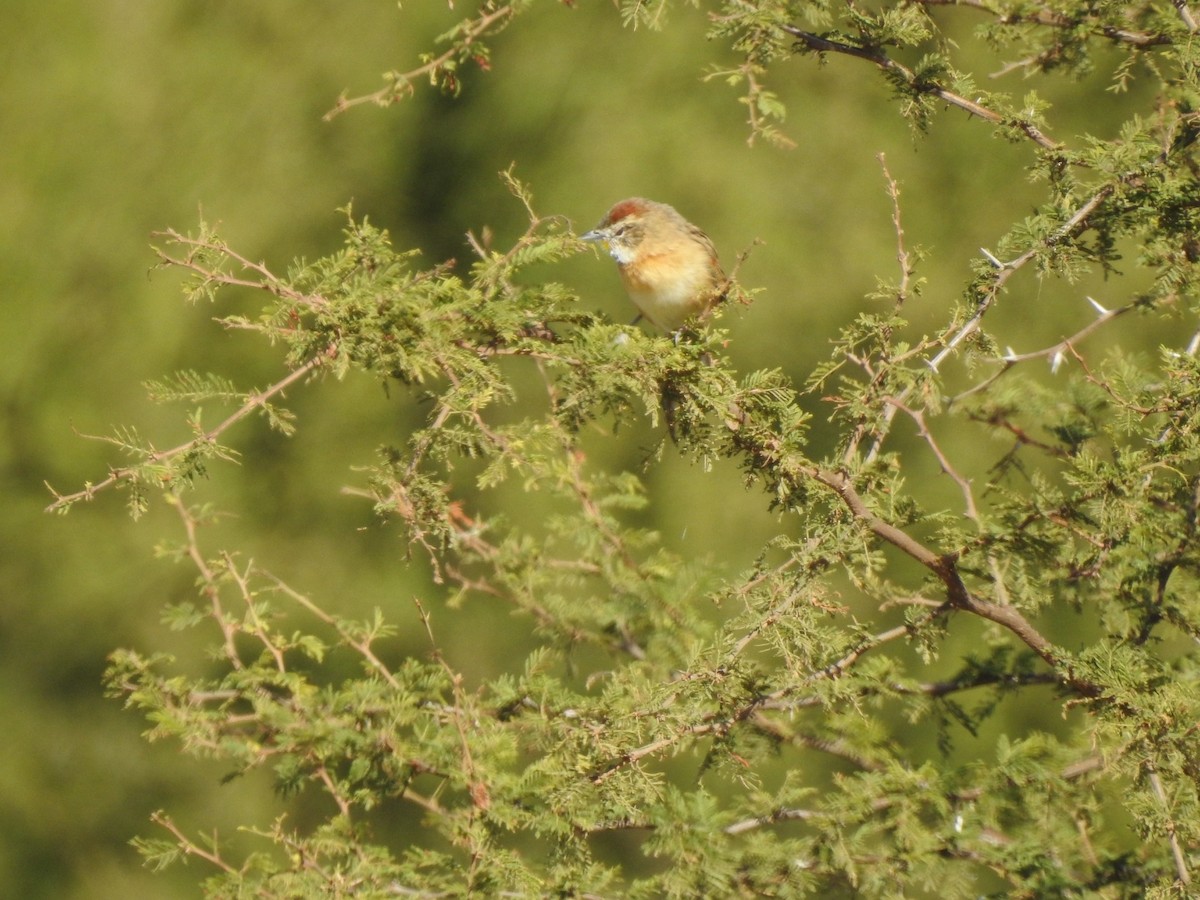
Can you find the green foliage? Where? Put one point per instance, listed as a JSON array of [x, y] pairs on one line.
[[789, 731]]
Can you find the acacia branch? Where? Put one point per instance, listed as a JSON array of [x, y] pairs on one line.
[[362, 647], [127, 473], [188, 846], [946, 569], [964, 484], [1177, 854], [401, 82], [827, 45], [1051, 19], [1185, 15], [267, 280], [1052, 352], [212, 589], [954, 337]]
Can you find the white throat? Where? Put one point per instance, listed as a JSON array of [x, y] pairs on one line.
[[623, 255]]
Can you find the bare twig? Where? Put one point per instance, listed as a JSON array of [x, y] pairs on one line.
[[639, 753], [771, 818], [331, 788], [260, 629], [480, 797], [902, 257]]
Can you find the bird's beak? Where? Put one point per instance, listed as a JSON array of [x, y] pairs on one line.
[[596, 234]]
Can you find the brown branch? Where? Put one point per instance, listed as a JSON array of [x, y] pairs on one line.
[[946, 569], [1011, 359], [260, 630], [363, 647], [964, 484], [779, 815], [476, 787], [831, 746], [212, 589], [902, 256], [886, 63], [188, 846], [268, 280], [401, 85], [326, 779], [632, 756], [1052, 19], [126, 473]]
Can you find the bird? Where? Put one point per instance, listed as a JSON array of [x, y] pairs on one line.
[[668, 266]]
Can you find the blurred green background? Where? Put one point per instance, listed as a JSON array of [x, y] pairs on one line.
[[123, 118]]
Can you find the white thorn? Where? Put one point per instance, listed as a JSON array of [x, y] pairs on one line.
[[1098, 307], [992, 259], [1057, 360], [1010, 355]]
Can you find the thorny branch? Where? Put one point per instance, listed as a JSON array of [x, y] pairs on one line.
[[1053, 19], [192, 261], [212, 589], [945, 567], [401, 83], [1054, 353], [190, 847], [127, 473], [954, 337], [1177, 852], [821, 44]]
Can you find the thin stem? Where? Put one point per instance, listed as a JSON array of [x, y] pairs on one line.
[[127, 473], [828, 45], [402, 82], [190, 847], [1181, 867], [212, 589]]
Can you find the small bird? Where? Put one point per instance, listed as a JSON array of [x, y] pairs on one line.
[[669, 266]]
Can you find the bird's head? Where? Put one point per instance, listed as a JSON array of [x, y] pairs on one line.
[[623, 228]]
